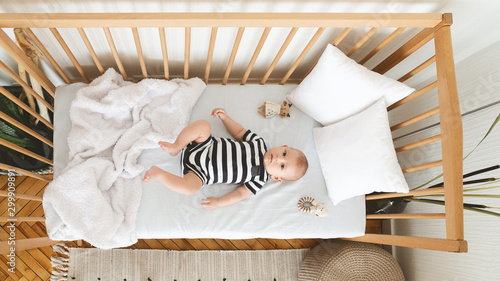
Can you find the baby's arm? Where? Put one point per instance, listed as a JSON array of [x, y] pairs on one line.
[[232, 197], [235, 129]]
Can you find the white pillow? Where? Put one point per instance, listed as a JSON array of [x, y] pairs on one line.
[[357, 155], [338, 87]]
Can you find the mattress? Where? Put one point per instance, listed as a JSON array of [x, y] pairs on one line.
[[272, 213]]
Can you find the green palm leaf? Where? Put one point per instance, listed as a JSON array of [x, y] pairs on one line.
[[470, 207], [487, 133]]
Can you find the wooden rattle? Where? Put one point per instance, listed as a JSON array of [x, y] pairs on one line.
[[309, 204]]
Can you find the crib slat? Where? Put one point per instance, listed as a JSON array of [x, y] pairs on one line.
[[187, 52], [210, 54], [341, 36], [25, 151], [423, 166], [415, 119], [21, 104], [70, 54], [24, 172], [406, 216], [436, 244], [362, 41], [287, 41], [256, 54], [417, 69], [138, 46], [16, 53], [413, 95], [419, 143], [451, 130], [233, 54], [25, 128], [303, 54], [382, 45], [434, 190], [406, 50], [163, 41], [112, 46], [25, 86], [91, 49]]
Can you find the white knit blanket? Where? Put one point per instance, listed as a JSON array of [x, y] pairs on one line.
[[97, 195]]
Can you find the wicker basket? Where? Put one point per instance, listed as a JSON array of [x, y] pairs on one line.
[[345, 260]]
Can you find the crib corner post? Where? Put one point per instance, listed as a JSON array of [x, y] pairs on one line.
[[451, 131], [447, 19]]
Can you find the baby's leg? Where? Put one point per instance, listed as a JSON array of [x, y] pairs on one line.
[[198, 131], [187, 185]]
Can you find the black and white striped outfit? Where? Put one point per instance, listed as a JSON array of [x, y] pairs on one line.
[[224, 160]]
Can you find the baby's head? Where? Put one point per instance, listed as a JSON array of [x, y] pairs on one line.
[[285, 163]]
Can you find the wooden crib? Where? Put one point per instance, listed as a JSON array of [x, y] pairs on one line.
[[429, 26]]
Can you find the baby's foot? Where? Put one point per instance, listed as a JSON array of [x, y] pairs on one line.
[[168, 147], [150, 174]]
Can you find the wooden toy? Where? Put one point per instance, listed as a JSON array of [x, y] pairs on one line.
[[269, 109], [309, 204]]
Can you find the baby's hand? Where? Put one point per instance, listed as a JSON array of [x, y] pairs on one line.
[[219, 112], [210, 203]]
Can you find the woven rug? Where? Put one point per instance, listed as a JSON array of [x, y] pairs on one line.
[[166, 265]]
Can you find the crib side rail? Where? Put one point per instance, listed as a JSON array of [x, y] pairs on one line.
[[452, 134], [451, 138], [16, 53], [123, 21], [64, 20]]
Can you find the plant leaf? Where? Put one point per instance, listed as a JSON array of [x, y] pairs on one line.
[[487, 133], [6, 129], [22, 142], [482, 211], [482, 188], [482, 195], [465, 190], [10, 108], [438, 202]]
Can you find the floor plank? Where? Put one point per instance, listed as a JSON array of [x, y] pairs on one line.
[[154, 244], [37, 260], [197, 244], [169, 244], [16, 275], [211, 244]]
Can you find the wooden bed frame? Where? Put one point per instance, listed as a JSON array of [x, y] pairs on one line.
[[432, 26]]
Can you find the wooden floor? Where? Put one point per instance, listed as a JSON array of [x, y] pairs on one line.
[[35, 264]]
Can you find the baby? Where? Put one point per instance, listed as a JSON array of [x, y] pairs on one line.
[[209, 160]]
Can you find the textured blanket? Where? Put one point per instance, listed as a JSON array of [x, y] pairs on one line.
[[97, 195]]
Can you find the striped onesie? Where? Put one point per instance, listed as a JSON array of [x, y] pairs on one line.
[[224, 160]]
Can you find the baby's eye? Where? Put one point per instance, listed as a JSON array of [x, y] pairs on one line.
[[282, 166], [284, 153]]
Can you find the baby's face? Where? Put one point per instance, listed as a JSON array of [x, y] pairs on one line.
[[281, 162]]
